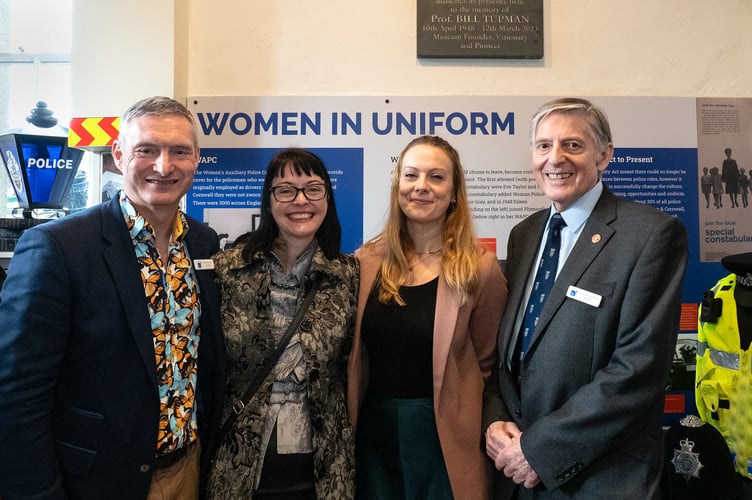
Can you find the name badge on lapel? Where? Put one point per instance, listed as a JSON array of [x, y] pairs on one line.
[[203, 264], [589, 298]]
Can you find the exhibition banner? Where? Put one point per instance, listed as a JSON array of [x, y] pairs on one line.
[[360, 138], [670, 152]]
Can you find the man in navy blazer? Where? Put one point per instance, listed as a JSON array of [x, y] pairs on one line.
[[111, 352], [580, 413]]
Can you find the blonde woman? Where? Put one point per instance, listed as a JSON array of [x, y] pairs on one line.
[[429, 308]]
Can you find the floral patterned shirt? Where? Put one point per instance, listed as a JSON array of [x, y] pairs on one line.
[[172, 295]]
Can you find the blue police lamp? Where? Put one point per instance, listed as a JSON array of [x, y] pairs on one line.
[[41, 167]]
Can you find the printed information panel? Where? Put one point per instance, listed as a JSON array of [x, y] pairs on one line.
[[656, 161], [360, 138]]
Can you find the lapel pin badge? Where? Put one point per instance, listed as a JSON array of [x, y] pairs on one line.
[[596, 238]]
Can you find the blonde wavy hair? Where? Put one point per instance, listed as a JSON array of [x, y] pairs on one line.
[[460, 252]]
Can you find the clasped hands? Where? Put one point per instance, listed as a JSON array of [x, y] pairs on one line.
[[503, 447]]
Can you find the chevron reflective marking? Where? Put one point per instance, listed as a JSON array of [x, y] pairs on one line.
[[93, 131]]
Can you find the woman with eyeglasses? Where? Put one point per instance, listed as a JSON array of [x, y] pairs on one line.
[[291, 438]]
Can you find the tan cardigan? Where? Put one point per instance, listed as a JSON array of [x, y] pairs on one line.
[[464, 350]]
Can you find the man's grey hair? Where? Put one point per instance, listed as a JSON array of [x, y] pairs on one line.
[[597, 119], [158, 106]]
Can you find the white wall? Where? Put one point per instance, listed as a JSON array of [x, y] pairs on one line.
[[122, 51], [125, 50]]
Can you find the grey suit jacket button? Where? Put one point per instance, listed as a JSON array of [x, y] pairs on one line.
[[518, 413]]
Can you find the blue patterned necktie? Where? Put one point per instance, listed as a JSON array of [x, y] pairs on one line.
[[544, 280]]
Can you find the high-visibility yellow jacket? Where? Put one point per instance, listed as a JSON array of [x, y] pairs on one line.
[[723, 389]]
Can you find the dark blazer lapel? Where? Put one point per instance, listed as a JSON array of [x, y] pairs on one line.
[[523, 262], [120, 257], [200, 248], [594, 237], [202, 244]]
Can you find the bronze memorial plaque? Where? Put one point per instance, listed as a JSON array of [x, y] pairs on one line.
[[481, 29]]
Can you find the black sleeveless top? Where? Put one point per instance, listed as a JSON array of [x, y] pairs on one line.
[[399, 340]]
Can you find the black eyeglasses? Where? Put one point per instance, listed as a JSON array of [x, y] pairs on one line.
[[287, 192]]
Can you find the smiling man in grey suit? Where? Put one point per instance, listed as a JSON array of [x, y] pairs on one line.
[[582, 398]]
